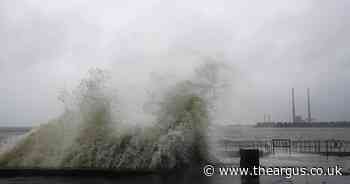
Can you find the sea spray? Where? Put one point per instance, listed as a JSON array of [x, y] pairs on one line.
[[175, 140], [41, 147], [83, 136], [47, 144]]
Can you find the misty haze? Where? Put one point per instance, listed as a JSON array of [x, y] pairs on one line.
[[152, 91]]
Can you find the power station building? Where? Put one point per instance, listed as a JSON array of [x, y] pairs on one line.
[[298, 118], [299, 121]]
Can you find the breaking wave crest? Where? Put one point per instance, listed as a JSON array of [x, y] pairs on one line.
[[87, 134]]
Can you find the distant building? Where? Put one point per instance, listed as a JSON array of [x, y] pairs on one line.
[[299, 119]]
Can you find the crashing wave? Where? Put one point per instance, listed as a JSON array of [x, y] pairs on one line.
[[87, 136]]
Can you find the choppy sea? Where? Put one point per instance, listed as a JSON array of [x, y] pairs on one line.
[[196, 176]]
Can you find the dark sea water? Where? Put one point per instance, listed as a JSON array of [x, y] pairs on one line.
[[251, 133], [195, 175]]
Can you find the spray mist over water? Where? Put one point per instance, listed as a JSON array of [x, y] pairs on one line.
[[98, 128]]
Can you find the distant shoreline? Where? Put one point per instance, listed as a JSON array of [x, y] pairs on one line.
[[15, 129], [336, 124]]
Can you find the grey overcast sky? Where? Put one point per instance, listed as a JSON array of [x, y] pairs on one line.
[[275, 45]]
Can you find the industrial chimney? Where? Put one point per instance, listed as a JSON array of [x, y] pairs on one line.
[[293, 106], [308, 106]]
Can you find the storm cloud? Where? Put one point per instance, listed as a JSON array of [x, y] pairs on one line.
[[274, 45]]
